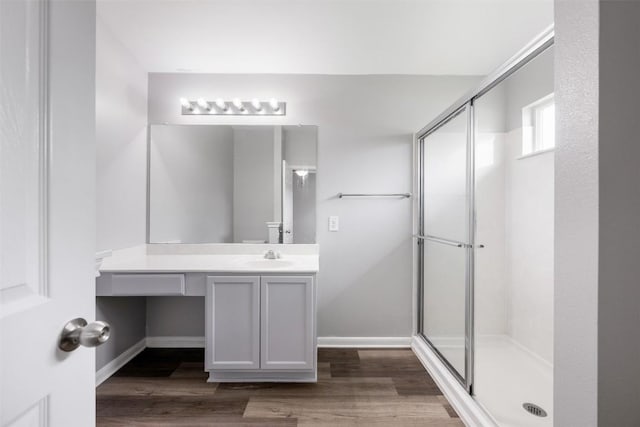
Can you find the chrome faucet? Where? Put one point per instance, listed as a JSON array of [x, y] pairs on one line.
[[271, 254]]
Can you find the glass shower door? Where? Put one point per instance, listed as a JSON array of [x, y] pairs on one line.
[[514, 271], [445, 242]]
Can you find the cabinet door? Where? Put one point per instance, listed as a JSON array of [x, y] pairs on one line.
[[288, 322], [233, 323]]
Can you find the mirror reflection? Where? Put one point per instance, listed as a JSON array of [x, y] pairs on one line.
[[232, 184]]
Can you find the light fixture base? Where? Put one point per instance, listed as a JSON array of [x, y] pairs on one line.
[[248, 108]]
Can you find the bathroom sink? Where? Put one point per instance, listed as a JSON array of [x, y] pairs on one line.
[[268, 263]]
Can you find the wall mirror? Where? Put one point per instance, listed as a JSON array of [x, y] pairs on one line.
[[232, 184]]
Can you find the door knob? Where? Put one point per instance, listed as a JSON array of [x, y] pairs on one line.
[[77, 332]]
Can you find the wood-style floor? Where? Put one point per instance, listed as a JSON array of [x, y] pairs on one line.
[[167, 387]]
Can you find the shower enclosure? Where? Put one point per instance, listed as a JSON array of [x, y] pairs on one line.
[[485, 239]]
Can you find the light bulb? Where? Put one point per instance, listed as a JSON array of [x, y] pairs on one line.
[[238, 104], [203, 104], [257, 105], [186, 103], [302, 172], [275, 105], [221, 104]]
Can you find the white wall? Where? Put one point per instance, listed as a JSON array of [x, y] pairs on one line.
[[365, 126], [514, 198], [528, 85], [491, 296], [597, 210], [121, 146], [121, 135], [491, 281], [529, 221], [191, 184], [529, 246], [576, 216]]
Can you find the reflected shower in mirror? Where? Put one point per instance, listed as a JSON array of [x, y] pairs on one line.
[[232, 184]]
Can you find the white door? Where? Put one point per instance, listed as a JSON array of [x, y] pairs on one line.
[[287, 203], [287, 322], [47, 210]]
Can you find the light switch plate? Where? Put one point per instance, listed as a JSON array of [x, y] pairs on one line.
[[334, 223]]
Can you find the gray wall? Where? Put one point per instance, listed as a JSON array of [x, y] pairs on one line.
[[121, 141], [178, 317], [254, 190], [300, 148], [191, 184], [364, 145], [300, 145], [619, 234], [127, 317], [304, 208]]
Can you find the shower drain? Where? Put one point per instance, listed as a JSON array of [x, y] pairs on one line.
[[534, 409]]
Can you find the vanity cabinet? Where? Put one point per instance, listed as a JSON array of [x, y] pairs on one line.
[[260, 314], [286, 316], [260, 328], [149, 284], [233, 323]]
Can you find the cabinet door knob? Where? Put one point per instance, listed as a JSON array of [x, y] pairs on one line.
[[78, 333]]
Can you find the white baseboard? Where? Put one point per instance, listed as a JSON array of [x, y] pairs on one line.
[[112, 367], [470, 412], [364, 342], [199, 342], [325, 342], [175, 342]]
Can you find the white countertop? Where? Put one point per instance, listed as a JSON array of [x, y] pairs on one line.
[[146, 260]]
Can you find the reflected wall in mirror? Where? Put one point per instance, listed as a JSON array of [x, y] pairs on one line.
[[232, 184]]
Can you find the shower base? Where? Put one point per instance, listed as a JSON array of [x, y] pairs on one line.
[[508, 375]]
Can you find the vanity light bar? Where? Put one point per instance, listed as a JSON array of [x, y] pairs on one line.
[[235, 107]]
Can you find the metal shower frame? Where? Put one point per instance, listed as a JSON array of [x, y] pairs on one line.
[[465, 105]]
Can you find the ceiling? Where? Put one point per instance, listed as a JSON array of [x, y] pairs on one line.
[[455, 37]]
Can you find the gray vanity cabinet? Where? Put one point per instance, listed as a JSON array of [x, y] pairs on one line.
[[233, 322], [287, 322], [260, 328]]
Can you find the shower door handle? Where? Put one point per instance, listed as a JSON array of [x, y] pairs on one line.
[[447, 241], [444, 241]]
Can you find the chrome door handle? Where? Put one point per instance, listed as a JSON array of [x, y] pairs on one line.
[[77, 332]]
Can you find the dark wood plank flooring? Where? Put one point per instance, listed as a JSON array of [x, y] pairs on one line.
[[368, 387]]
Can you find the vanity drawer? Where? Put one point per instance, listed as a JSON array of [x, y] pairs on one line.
[[147, 284]]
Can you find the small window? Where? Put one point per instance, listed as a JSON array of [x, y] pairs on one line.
[[539, 126]]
